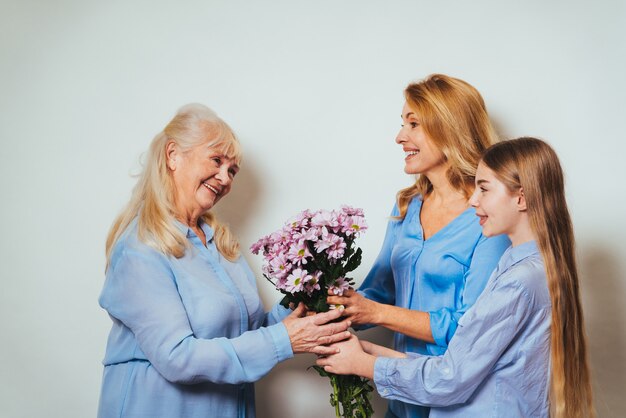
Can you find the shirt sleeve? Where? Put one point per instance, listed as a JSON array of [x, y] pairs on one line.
[[487, 252], [140, 291], [379, 285], [277, 314], [484, 333]]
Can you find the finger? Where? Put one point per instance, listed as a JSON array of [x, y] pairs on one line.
[[325, 317], [340, 336], [322, 350], [322, 361], [300, 310], [333, 338], [329, 330], [336, 300], [349, 292]]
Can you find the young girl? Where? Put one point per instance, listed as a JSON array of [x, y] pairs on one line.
[[520, 350]]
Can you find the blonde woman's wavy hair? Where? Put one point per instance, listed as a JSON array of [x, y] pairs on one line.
[[152, 199], [532, 165], [454, 116]]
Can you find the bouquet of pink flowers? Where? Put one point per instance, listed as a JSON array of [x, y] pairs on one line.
[[310, 255]]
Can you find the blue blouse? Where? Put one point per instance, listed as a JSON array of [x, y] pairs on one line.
[[188, 334], [443, 275], [498, 362]]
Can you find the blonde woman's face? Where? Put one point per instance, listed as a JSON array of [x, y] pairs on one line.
[[202, 176], [421, 155]]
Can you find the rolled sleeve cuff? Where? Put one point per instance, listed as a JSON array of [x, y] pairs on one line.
[[443, 326], [382, 368], [282, 345], [277, 314]]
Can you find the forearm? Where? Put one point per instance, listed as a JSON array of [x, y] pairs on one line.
[[380, 351], [415, 324]]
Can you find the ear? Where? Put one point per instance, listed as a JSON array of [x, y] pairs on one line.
[[521, 200], [171, 155]]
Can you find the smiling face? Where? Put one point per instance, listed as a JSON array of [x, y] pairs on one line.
[[202, 176], [500, 210], [421, 155]]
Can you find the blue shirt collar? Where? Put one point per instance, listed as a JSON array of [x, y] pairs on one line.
[[514, 255], [188, 232]]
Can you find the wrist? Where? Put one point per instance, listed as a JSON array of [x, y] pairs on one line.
[[378, 313], [366, 366]]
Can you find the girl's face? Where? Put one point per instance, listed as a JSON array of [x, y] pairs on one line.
[[500, 211], [421, 155]]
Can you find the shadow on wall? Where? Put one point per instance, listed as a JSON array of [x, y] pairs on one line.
[[289, 390], [292, 391], [239, 208], [603, 292]]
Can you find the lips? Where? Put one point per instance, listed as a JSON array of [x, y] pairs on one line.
[[408, 153], [482, 219], [211, 188]]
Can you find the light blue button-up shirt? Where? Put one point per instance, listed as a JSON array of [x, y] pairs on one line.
[[188, 334], [443, 275], [498, 362]]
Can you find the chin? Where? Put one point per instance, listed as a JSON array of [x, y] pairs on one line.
[[487, 232], [411, 170]]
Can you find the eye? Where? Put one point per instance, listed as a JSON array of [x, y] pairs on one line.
[[217, 161], [414, 124], [232, 173], [483, 190]]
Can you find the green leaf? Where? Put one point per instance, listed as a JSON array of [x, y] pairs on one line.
[[354, 261], [285, 302], [319, 370]]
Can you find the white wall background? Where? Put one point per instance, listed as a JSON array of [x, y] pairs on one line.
[[314, 89]]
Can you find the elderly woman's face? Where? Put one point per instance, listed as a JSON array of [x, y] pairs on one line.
[[202, 176]]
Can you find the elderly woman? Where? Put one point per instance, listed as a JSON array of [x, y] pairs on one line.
[[189, 331]]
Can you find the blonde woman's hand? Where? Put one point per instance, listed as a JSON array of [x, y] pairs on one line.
[[357, 308], [313, 333]]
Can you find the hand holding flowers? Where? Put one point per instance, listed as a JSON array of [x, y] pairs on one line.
[[354, 356], [349, 359], [312, 334], [306, 260], [358, 308]]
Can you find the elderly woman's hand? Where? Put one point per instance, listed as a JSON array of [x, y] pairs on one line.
[[358, 309], [312, 334]]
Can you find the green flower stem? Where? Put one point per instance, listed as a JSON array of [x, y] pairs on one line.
[[333, 381]]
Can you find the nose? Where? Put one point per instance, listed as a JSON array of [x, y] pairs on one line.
[[474, 198], [223, 176], [401, 137]]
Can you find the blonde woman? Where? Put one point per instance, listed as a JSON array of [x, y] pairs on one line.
[[520, 351], [434, 262], [189, 332]]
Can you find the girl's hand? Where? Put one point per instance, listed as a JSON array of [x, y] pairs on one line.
[[312, 334], [350, 359], [380, 351], [358, 308]]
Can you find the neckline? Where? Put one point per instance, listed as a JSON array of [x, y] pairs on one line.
[[446, 226]]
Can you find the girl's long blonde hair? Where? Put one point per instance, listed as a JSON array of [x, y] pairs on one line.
[[152, 199], [532, 165], [454, 116]]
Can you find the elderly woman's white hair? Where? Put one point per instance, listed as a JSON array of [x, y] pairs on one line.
[[152, 200]]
